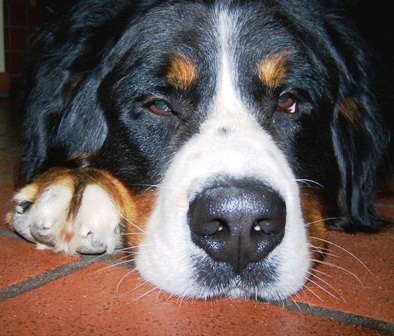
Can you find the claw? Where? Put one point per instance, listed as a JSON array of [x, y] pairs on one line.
[[23, 207]]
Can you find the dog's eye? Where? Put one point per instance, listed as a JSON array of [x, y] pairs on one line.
[[159, 107], [287, 103]]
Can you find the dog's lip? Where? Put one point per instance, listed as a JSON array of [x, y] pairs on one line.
[[238, 288], [245, 281]]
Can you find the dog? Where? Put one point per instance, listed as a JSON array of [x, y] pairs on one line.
[[217, 140]]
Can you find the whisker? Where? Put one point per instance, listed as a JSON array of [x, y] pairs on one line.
[[326, 291], [158, 294], [181, 299], [146, 185], [126, 256], [128, 261], [115, 265], [295, 296], [133, 247], [322, 273], [340, 268], [123, 278], [346, 251], [130, 222], [323, 220], [133, 289], [309, 183], [325, 251], [156, 186], [146, 293], [311, 291], [327, 284], [315, 270]]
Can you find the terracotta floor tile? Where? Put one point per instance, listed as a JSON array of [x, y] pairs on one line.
[[20, 261], [7, 163], [359, 281], [6, 192], [90, 302], [387, 211]]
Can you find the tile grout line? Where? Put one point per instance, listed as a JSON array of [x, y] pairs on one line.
[[59, 272], [49, 276], [339, 316], [10, 234]]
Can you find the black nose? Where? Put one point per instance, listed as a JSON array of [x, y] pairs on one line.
[[237, 223]]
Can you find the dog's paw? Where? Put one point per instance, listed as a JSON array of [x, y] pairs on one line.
[[71, 211]]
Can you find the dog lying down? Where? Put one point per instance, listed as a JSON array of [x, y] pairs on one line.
[[219, 139]]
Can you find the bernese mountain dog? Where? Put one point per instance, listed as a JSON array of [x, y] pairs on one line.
[[217, 140]]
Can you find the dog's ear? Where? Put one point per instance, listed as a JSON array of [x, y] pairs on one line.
[[359, 143], [359, 135], [63, 118]]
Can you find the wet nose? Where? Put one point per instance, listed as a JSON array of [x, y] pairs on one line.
[[237, 223]]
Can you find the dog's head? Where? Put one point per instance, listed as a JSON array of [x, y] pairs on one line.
[[239, 126]]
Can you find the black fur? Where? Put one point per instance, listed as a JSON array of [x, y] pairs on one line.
[[97, 64]]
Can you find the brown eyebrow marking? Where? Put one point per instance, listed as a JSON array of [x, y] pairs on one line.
[[182, 72], [351, 110], [272, 70]]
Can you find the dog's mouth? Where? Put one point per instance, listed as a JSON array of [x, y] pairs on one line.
[[219, 279]]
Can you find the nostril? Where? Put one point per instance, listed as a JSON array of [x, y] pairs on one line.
[[209, 228], [269, 226]]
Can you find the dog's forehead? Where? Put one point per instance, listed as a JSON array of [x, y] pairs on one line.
[[225, 36], [188, 54]]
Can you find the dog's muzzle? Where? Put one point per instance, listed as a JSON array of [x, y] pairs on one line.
[[238, 222]]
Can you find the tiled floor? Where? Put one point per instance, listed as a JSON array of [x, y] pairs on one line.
[[42, 293]]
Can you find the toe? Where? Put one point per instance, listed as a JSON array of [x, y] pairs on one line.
[[89, 244]]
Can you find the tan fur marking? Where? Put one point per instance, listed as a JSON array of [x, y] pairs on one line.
[[314, 217], [350, 109], [181, 73], [59, 176], [29, 193], [144, 204], [273, 70]]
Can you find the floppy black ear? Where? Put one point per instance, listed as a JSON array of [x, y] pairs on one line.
[[359, 142], [63, 118], [360, 137]]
